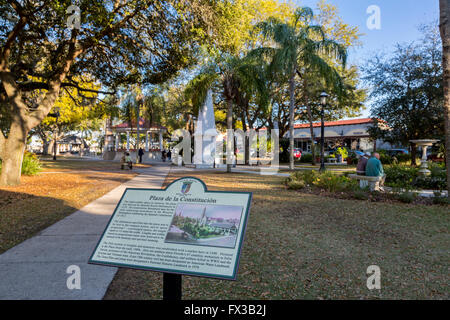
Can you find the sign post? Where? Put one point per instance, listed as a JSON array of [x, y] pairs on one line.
[[171, 287], [182, 229]]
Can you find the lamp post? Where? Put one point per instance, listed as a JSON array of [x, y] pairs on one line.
[[139, 101], [323, 102], [56, 115]]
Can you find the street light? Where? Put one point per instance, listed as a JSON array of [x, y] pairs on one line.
[[55, 115], [139, 102], [323, 103]]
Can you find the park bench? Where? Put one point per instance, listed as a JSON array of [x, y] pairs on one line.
[[364, 181], [332, 160]]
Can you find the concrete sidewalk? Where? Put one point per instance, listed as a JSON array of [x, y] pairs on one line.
[[36, 268]]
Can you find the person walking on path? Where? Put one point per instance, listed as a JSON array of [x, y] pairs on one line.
[[140, 153], [374, 168]]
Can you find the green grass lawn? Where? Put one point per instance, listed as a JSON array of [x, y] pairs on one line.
[[306, 246]]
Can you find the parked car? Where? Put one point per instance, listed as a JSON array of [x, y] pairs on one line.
[[297, 153], [396, 152], [356, 152], [435, 157], [330, 152]]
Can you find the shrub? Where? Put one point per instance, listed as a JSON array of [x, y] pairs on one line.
[[406, 197], [437, 170], [30, 164], [343, 152], [353, 160], [325, 180], [296, 184], [403, 158], [441, 200], [334, 183], [400, 176], [360, 195], [306, 158], [406, 177], [308, 176], [385, 159], [435, 183]]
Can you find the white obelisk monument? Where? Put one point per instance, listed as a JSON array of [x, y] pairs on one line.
[[205, 135]]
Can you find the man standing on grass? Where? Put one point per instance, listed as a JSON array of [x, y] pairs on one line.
[[374, 168]]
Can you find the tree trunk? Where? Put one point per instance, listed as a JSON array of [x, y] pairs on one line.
[[246, 142], [12, 148], [413, 155], [291, 120], [51, 147], [230, 135], [311, 130], [12, 156], [45, 141], [444, 6], [45, 147]]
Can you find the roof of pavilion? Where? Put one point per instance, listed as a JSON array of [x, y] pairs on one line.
[[335, 123], [143, 125]]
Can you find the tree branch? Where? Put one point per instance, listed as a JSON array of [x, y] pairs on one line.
[[34, 85], [110, 29], [4, 56], [49, 98], [68, 84]]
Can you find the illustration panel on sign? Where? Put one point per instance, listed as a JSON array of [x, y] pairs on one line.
[[205, 225]]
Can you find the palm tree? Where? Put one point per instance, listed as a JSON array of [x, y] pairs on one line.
[[234, 76], [130, 110], [300, 47], [445, 35]]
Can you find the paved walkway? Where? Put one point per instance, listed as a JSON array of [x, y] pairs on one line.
[[36, 268]]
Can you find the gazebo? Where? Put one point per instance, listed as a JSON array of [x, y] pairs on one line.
[[153, 140], [71, 143]]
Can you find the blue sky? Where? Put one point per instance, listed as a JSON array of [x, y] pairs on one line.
[[399, 22]]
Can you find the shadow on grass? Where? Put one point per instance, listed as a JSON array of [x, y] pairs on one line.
[[120, 177], [23, 215]]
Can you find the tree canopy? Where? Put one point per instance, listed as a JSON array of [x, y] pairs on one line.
[[406, 90], [116, 42]]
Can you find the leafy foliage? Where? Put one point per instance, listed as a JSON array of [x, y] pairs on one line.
[[30, 164], [406, 197], [406, 177], [297, 48], [323, 180], [117, 42], [296, 184], [407, 90], [400, 176], [306, 158]]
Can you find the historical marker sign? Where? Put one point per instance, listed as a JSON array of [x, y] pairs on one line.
[[183, 229]]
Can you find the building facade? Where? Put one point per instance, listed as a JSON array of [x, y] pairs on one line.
[[352, 134]]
